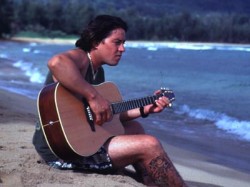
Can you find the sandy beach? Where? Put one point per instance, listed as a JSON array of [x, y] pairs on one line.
[[20, 165]]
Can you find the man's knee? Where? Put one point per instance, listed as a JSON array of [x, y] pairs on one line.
[[152, 142]]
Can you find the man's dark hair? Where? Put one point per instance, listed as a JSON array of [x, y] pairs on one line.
[[98, 29]]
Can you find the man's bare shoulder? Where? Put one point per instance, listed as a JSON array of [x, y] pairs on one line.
[[78, 56]]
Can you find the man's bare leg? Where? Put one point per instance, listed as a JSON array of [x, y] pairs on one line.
[[148, 156]]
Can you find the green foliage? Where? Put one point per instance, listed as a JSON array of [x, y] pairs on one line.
[[29, 34], [6, 17], [56, 34], [170, 20]]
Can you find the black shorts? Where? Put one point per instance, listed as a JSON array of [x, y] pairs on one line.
[[98, 161]]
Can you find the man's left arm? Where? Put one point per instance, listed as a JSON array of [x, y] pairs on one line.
[[157, 107]]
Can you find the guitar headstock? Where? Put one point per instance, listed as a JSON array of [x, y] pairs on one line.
[[167, 93]]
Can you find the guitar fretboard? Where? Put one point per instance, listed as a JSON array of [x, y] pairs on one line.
[[137, 103]]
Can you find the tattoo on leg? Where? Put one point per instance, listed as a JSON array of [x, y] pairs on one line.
[[141, 170], [164, 173]]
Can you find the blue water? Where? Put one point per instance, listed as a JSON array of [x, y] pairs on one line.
[[211, 82]]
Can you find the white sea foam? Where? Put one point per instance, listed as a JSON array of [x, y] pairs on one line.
[[36, 51], [241, 128], [33, 44], [2, 55], [31, 50], [154, 46], [32, 72], [26, 50], [222, 121]]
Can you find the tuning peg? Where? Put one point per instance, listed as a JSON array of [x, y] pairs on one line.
[[164, 88]]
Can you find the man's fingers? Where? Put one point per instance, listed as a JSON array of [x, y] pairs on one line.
[[98, 119], [103, 117]]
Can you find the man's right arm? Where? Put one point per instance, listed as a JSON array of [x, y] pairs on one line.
[[68, 69]]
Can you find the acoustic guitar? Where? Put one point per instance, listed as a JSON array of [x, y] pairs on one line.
[[67, 121]]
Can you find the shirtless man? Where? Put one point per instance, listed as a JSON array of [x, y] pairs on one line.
[[102, 43]]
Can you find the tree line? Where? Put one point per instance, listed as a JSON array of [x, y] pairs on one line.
[[61, 18]]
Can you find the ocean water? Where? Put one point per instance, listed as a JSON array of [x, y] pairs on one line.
[[211, 82]]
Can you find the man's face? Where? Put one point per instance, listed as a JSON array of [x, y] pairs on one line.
[[112, 47]]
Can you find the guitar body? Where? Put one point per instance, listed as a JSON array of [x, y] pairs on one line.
[[65, 125]]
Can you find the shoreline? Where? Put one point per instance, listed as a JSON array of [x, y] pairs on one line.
[[20, 166], [72, 41]]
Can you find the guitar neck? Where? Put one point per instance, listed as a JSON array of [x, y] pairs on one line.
[[133, 103]]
